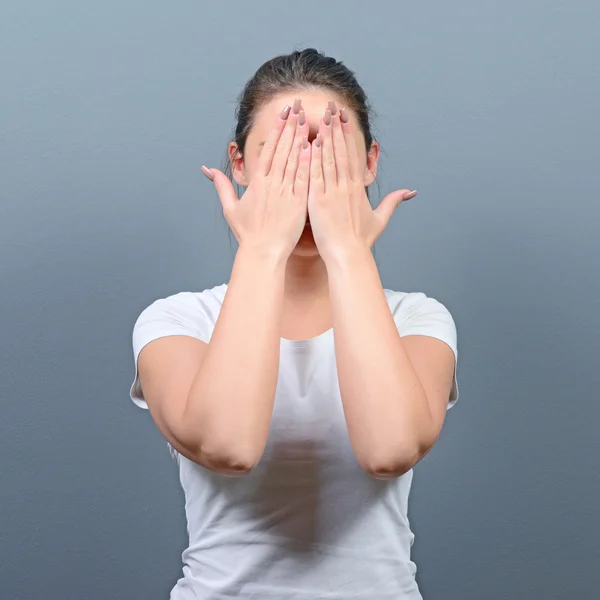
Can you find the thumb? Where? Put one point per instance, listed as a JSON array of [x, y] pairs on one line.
[[390, 203], [224, 188]]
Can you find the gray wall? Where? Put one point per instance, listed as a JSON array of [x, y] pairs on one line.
[[489, 109]]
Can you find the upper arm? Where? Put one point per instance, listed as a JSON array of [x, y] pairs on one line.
[[170, 339], [429, 337], [434, 363], [167, 368]]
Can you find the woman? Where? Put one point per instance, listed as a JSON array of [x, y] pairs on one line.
[[297, 398]]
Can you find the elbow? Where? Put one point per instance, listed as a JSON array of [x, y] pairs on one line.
[[394, 460], [391, 465], [231, 462], [387, 469], [229, 467]]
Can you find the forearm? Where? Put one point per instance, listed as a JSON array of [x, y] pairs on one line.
[[387, 413], [231, 399]]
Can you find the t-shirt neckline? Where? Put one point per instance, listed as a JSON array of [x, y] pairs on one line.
[[308, 343]]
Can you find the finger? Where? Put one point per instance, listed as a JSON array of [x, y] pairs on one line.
[[317, 183], [327, 153], [339, 146], [224, 188], [268, 151], [286, 142], [390, 203], [294, 156], [347, 129], [302, 174]]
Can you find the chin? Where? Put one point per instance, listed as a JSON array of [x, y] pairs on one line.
[[306, 244]]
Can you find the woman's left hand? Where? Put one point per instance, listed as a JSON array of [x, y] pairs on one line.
[[341, 217]]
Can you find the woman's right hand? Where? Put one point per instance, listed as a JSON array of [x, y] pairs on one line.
[[271, 214]]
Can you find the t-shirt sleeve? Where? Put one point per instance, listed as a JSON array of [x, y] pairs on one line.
[[180, 314], [418, 314]]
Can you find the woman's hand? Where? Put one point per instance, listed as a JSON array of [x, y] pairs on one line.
[[271, 214], [341, 217]]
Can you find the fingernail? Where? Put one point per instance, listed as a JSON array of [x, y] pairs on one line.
[[409, 195], [301, 118], [208, 174], [297, 105], [304, 143], [343, 115], [327, 117], [285, 112], [318, 140], [332, 107]]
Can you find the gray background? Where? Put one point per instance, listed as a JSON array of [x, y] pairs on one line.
[[489, 109]]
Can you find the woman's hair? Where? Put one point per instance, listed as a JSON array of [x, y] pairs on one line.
[[302, 69]]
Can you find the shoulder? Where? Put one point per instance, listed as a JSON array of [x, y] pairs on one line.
[[187, 304], [183, 313], [407, 302], [416, 313]]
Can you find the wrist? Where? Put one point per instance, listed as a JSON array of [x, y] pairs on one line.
[[269, 256], [344, 259]]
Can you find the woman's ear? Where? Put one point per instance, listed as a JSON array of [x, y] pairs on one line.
[[372, 161], [238, 168]]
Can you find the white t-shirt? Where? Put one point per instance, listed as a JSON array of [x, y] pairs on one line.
[[307, 523]]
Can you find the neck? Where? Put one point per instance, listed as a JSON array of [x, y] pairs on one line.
[[306, 278]]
